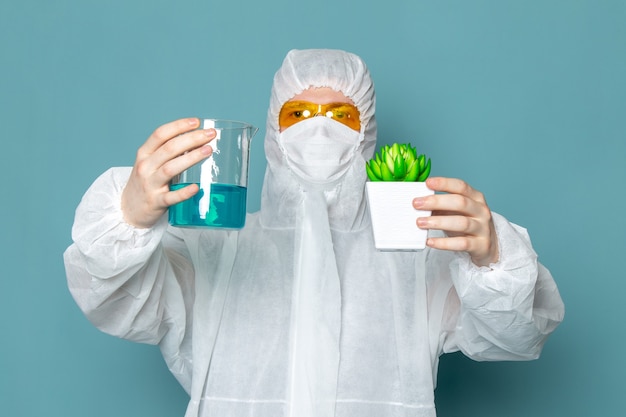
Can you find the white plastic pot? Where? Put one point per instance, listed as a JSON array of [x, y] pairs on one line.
[[393, 216]]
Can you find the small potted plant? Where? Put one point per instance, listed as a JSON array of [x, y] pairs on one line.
[[396, 176]]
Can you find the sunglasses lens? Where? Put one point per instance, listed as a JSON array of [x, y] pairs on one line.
[[346, 114], [293, 112]]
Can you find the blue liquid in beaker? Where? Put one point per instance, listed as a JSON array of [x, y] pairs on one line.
[[226, 208]]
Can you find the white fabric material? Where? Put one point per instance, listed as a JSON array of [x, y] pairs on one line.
[[315, 315], [319, 150], [318, 163], [311, 158], [222, 306]]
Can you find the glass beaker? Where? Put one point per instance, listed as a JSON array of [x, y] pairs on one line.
[[222, 178]]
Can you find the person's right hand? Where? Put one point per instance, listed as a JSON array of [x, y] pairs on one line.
[[171, 149]]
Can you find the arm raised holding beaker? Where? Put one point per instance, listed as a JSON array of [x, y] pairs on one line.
[[169, 150]]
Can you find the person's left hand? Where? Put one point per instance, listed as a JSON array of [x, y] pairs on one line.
[[463, 214]]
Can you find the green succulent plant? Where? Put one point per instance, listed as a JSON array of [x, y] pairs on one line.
[[398, 162]]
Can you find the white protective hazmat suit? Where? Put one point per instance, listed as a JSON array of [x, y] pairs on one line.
[[297, 314]]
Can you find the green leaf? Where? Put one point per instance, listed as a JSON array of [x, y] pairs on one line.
[[389, 161], [425, 173], [370, 174], [412, 172], [386, 173], [395, 150], [375, 168], [409, 158], [399, 167]]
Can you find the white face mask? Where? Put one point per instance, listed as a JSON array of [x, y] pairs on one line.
[[319, 150]]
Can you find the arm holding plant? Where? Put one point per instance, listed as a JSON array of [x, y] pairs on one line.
[[502, 304], [505, 311], [465, 217], [462, 212], [498, 302]]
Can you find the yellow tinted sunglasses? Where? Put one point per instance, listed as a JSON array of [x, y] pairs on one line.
[[293, 112]]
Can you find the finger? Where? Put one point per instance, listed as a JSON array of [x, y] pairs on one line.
[[457, 244], [175, 166], [451, 203], [454, 186], [168, 131], [153, 163], [181, 144], [182, 194], [452, 224], [478, 248]]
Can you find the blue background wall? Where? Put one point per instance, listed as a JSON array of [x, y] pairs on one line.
[[523, 99]]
